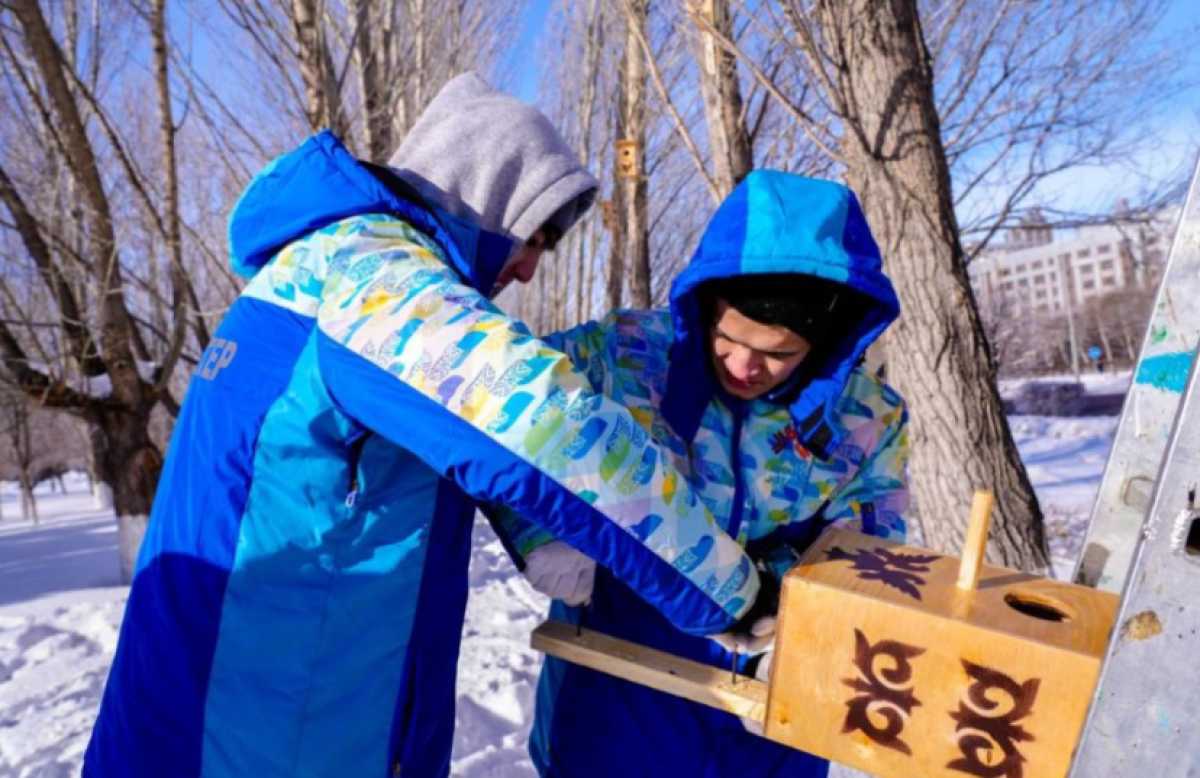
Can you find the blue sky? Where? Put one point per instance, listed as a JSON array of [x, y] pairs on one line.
[[1173, 129], [1171, 145], [524, 55]]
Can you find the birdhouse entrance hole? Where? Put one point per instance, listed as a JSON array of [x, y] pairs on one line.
[[1036, 606]]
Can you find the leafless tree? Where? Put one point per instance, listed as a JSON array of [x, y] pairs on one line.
[[15, 430], [366, 68], [924, 108], [728, 136], [631, 239], [586, 58], [75, 189], [875, 74], [130, 264]]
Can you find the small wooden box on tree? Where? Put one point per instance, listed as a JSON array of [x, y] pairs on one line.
[[902, 662]]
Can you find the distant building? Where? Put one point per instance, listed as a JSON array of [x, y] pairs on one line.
[[1033, 271]]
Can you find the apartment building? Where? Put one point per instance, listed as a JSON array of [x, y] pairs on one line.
[[1033, 271]]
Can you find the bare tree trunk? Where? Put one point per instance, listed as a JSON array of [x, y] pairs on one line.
[[371, 67], [420, 70], [938, 354], [102, 492], [24, 455], [1127, 341], [1102, 331], [179, 302], [322, 98], [29, 510], [585, 258], [728, 138], [14, 417], [1072, 336], [614, 221], [631, 164]]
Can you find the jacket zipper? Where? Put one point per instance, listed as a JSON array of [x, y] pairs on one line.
[[356, 448], [735, 519]]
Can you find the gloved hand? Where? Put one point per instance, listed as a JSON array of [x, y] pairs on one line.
[[757, 638], [561, 573], [754, 632]]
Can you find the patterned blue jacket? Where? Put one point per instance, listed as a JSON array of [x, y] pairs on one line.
[[774, 471]]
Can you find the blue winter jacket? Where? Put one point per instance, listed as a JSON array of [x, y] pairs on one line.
[[828, 446], [299, 595]]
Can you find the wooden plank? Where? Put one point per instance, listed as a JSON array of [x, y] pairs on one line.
[[740, 695]]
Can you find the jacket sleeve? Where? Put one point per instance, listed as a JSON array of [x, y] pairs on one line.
[[872, 502], [588, 347], [410, 352]]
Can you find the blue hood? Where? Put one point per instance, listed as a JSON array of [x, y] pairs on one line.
[[776, 222], [320, 183]]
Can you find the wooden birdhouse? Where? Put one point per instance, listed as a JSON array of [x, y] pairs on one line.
[[893, 659], [628, 159], [903, 662]]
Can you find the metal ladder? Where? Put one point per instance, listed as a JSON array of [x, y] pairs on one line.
[[1144, 541]]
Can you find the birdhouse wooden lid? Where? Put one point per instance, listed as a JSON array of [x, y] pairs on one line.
[[1062, 615]]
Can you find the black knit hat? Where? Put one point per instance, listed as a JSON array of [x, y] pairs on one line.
[[818, 310]]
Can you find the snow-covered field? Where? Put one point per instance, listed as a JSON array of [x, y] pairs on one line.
[[61, 606]]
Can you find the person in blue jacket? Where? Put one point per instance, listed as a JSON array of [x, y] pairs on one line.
[[753, 379], [298, 599]]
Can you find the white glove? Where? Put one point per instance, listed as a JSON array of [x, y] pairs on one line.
[[561, 573], [760, 638], [761, 673]]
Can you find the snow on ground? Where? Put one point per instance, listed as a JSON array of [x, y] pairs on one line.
[[1065, 458], [61, 606]]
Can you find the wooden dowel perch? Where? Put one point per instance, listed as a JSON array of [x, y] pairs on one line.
[[976, 541]]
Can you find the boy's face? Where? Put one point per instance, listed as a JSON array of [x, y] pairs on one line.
[[523, 263], [750, 358]]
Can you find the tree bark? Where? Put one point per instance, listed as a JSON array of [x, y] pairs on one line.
[[635, 228], [102, 493], [28, 501], [938, 354], [130, 462], [24, 456], [728, 139], [322, 99], [178, 276], [371, 67], [584, 259]]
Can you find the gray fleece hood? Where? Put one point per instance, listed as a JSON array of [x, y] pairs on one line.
[[486, 157]]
